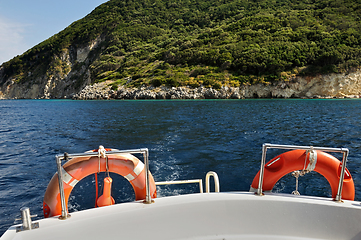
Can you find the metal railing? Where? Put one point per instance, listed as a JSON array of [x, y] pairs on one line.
[[216, 181], [145, 152], [266, 146], [66, 157], [199, 181]]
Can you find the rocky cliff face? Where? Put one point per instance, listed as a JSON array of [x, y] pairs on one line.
[[69, 77], [321, 86], [67, 74]]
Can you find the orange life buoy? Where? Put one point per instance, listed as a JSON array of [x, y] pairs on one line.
[[78, 168], [326, 165]]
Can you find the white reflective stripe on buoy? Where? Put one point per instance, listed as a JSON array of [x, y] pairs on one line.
[[129, 177], [67, 178], [137, 170], [273, 162]]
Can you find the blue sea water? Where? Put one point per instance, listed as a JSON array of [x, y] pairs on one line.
[[186, 139]]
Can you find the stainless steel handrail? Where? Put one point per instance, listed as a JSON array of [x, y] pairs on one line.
[[65, 156], [216, 181], [266, 146], [199, 181], [64, 212]]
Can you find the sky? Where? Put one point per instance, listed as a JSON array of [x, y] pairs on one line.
[[26, 23]]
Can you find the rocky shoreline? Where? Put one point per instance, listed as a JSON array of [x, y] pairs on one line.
[[323, 86], [345, 85], [99, 92], [95, 93]]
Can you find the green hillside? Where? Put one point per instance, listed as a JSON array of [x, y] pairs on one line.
[[208, 42]]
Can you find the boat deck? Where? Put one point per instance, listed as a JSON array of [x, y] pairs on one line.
[[211, 216]]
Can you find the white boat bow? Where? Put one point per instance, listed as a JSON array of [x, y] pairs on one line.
[[208, 216]]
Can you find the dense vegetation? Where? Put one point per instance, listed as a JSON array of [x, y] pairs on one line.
[[208, 42]]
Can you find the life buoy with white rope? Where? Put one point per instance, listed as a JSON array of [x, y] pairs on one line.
[[326, 165], [78, 168]]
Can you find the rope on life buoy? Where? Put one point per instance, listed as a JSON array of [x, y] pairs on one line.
[[312, 157]]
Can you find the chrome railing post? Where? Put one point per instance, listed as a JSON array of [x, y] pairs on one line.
[[200, 185], [148, 197], [338, 197], [261, 173], [64, 212]]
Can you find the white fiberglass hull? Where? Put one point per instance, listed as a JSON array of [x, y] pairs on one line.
[[238, 215]]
